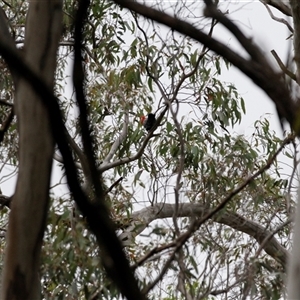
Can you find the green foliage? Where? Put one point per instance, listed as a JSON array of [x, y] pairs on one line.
[[127, 77]]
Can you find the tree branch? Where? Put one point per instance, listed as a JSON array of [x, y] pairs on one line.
[[122, 136], [285, 9], [97, 217], [145, 216], [113, 259], [261, 73], [280, 20], [282, 66]]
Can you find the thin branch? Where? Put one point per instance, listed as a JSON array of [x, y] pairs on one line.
[[274, 250], [256, 69], [285, 9], [59, 159], [280, 20], [162, 273], [109, 165], [6, 3], [282, 66], [6, 124], [196, 224], [114, 260], [295, 8], [145, 216], [270, 236], [96, 214], [122, 136], [212, 11], [179, 168], [113, 185]]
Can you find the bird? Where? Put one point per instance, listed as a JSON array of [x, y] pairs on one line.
[[148, 122]]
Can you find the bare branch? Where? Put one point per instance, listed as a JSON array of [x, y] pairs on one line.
[[59, 159], [196, 224], [280, 20], [113, 185], [113, 258], [163, 210], [282, 66], [106, 166], [97, 215], [280, 5], [256, 68], [270, 236], [118, 141], [109, 165], [137, 227]]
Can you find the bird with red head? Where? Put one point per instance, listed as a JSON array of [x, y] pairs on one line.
[[148, 122]]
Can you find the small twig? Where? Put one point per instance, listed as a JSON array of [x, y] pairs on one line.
[[280, 6], [251, 270], [108, 165], [165, 268], [113, 185], [283, 67], [280, 20], [6, 3]]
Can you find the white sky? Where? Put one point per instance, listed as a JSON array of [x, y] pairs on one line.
[[254, 20]]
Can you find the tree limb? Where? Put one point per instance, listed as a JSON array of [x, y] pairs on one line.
[[262, 74], [142, 218], [280, 20], [97, 216], [122, 136], [280, 5], [113, 259], [282, 66]]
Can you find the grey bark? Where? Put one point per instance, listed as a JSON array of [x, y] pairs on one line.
[[295, 7], [142, 218], [293, 286], [29, 206]]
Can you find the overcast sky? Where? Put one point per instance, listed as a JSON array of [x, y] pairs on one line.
[[253, 18]]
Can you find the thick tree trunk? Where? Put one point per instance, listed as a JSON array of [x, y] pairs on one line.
[[293, 285], [294, 264], [30, 202], [295, 7]]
